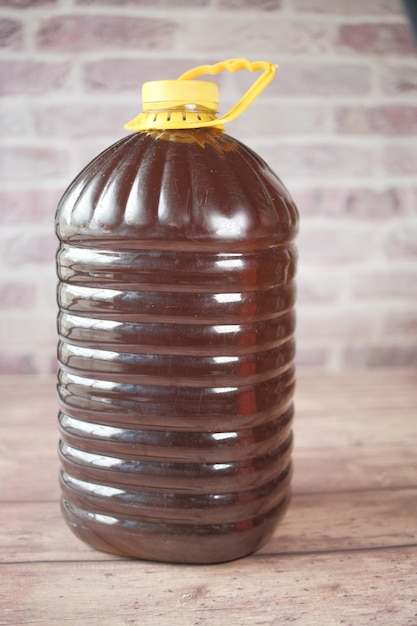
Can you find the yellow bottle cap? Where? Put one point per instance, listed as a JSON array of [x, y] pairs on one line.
[[158, 94], [187, 103]]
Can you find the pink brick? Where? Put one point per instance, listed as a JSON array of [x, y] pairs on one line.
[[22, 249], [32, 77], [14, 119], [356, 203], [30, 164], [322, 160], [381, 356], [383, 120], [349, 7], [397, 80], [17, 364], [401, 323], [284, 119], [311, 357], [331, 325], [16, 295], [401, 242], [147, 3], [26, 4], [11, 34], [354, 120], [329, 246], [320, 79], [258, 5], [89, 149], [400, 159], [314, 289], [53, 365], [394, 120], [274, 37], [115, 75], [88, 32], [81, 120], [27, 206], [382, 38], [389, 284], [330, 79]]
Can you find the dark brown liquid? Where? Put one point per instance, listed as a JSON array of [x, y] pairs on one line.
[[176, 349]]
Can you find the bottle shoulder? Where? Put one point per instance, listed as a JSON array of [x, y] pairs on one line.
[[199, 186]]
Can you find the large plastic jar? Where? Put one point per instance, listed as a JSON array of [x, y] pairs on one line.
[[176, 345]]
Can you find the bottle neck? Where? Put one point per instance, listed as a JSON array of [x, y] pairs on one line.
[[157, 116]]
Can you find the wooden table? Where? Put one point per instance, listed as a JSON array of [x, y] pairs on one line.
[[346, 552]]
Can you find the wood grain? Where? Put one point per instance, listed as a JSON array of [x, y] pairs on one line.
[[345, 553], [315, 523], [371, 587]]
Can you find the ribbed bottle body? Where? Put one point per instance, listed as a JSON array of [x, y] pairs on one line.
[[176, 356]]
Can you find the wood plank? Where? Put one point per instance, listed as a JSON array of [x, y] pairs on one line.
[[376, 408], [363, 382], [371, 427], [326, 589], [314, 523], [340, 521], [347, 469], [330, 411], [29, 463], [27, 400], [31, 472], [345, 553], [33, 399]]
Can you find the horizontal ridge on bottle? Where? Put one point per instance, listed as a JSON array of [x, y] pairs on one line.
[[176, 348]]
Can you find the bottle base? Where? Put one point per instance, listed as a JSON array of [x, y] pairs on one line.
[[198, 545]]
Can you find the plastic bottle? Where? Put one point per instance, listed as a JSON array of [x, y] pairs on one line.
[[176, 354]]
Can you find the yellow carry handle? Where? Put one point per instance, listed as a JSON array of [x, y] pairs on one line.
[[234, 65], [167, 103]]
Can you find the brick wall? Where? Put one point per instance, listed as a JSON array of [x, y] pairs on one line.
[[338, 124]]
